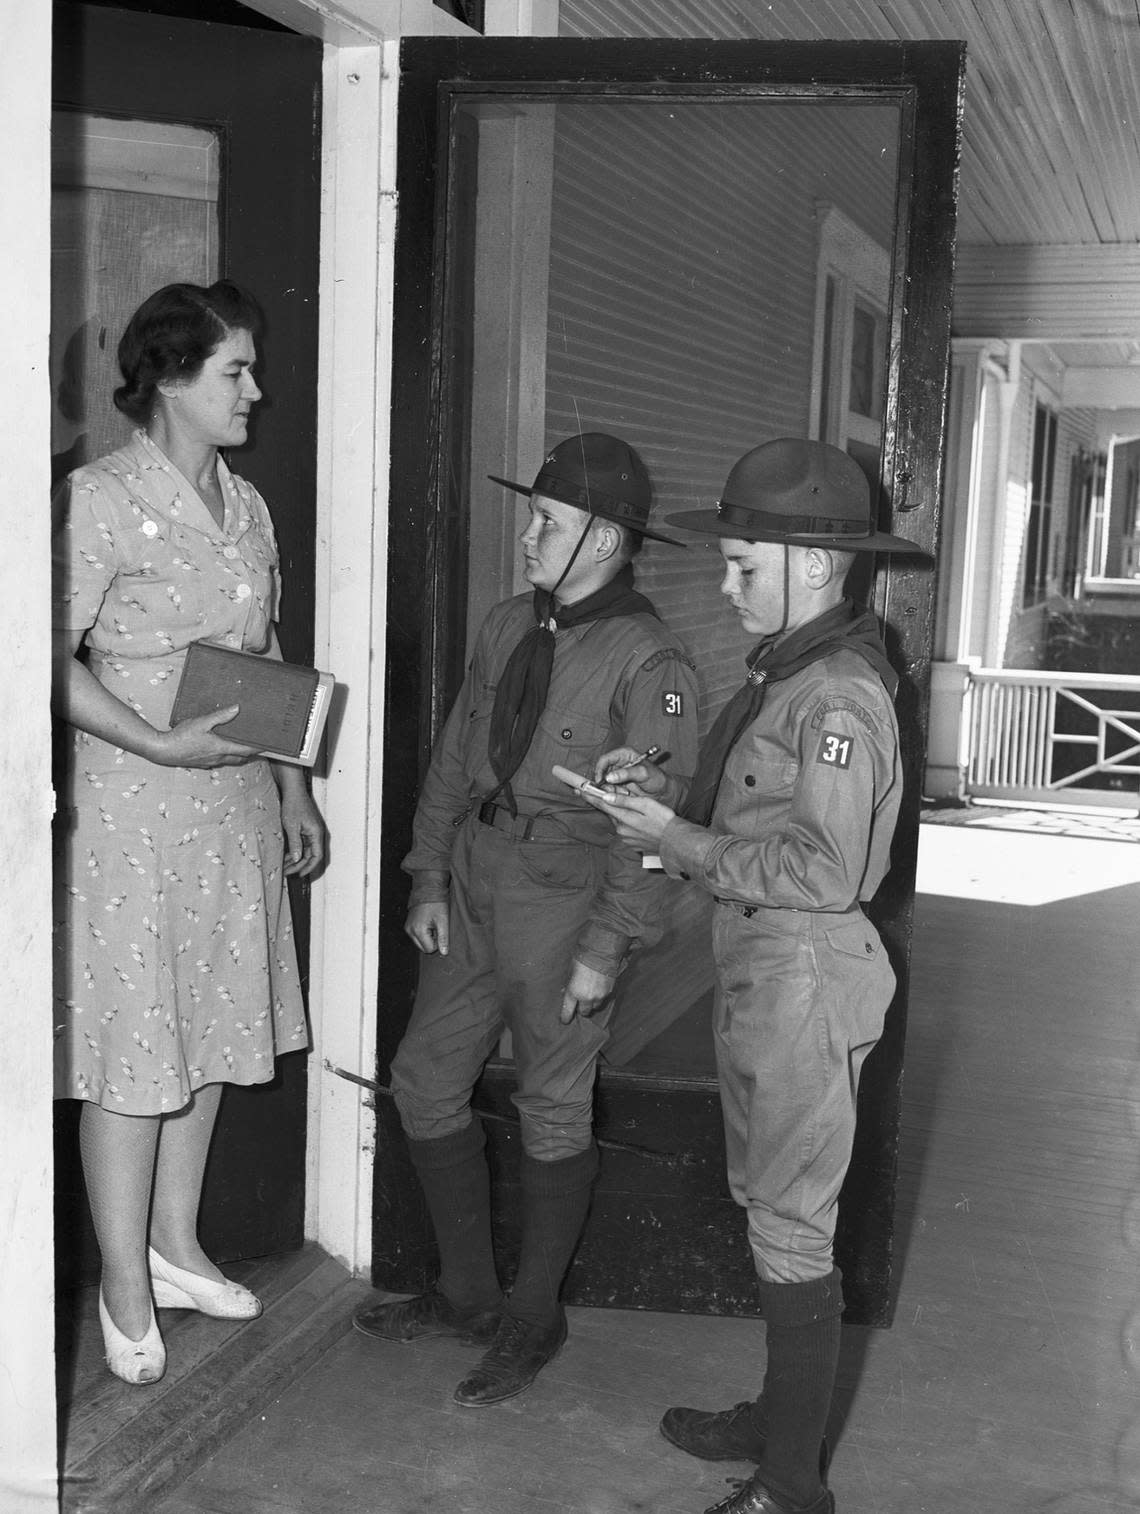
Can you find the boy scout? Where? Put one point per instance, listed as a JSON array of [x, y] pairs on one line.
[[788, 825], [525, 904]]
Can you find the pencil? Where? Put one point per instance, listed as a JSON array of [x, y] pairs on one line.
[[645, 756]]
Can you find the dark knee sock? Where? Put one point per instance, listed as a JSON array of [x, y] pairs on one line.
[[555, 1202], [453, 1173], [803, 1332]]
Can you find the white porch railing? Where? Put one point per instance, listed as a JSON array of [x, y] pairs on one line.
[[1069, 737]]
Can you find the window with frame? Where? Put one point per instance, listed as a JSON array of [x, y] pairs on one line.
[[1039, 526], [849, 371]]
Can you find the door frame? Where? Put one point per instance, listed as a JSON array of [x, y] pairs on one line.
[[424, 566]]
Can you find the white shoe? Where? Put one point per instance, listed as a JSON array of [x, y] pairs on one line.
[[141, 1361], [174, 1288]]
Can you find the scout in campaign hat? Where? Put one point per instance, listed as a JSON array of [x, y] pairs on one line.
[[599, 474], [801, 493]]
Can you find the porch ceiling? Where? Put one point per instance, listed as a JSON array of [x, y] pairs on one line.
[[1051, 137]]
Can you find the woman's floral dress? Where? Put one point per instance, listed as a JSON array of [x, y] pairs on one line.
[[175, 962]]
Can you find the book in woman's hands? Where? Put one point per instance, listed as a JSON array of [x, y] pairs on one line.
[[284, 706]]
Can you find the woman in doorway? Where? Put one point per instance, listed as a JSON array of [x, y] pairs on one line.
[[177, 971]]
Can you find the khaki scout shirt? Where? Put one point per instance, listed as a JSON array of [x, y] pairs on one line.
[[617, 682], [807, 806]]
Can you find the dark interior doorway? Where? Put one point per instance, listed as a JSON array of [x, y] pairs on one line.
[[248, 93]]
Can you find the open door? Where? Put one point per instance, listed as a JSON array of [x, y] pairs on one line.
[[699, 246], [184, 150]]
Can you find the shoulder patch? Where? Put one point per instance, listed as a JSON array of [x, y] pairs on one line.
[[666, 654], [838, 705], [835, 749]]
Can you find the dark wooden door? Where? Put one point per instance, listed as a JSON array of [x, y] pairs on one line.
[[257, 92], [681, 242]]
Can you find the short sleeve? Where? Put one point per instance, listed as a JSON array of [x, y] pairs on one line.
[[271, 556], [84, 560]]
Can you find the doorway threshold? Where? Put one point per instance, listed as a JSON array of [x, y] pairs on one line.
[[121, 1446]]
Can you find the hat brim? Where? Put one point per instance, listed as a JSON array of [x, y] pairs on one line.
[[709, 523], [603, 514]]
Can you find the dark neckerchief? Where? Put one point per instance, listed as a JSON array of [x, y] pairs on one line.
[[521, 695], [843, 626]]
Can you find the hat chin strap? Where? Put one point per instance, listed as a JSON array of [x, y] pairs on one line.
[[787, 590], [572, 560]]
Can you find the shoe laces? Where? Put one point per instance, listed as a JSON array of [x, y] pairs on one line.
[[508, 1337], [742, 1410], [737, 1486]]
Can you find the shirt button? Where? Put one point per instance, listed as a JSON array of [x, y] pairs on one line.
[[230, 552], [749, 781], [243, 591], [567, 733]]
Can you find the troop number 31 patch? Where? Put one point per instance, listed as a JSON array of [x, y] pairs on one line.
[[835, 751]]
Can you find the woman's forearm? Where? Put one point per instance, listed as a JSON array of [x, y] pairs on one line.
[[79, 698]]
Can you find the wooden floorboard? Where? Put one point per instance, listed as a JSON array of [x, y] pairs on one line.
[[1006, 1382], [122, 1446]]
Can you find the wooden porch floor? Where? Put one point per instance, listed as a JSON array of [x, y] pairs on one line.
[[1006, 1382]]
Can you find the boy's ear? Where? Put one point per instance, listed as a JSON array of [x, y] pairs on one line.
[[820, 567], [608, 541]]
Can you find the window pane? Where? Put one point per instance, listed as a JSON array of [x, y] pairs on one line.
[[866, 342]]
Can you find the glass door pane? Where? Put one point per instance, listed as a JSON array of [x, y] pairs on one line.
[[665, 269]]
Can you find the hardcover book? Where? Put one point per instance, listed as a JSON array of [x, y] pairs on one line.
[[284, 706]]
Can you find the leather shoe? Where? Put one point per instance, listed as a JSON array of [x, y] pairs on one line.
[[430, 1313], [517, 1355], [727, 1435], [752, 1497]]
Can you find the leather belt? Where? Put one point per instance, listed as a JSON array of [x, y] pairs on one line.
[[522, 827]]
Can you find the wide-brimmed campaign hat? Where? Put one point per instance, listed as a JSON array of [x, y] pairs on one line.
[[808, 494], [599, 474]]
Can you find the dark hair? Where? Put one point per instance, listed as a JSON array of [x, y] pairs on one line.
[[173, 332]]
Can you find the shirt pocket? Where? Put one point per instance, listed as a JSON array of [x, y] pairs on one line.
[[571, 738], [762, 771]]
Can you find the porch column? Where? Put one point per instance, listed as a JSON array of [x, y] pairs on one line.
[[947, 752]]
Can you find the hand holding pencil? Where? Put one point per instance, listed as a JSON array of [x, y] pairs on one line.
[[630, 771]]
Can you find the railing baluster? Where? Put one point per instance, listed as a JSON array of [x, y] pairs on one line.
[[1015, 747]]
